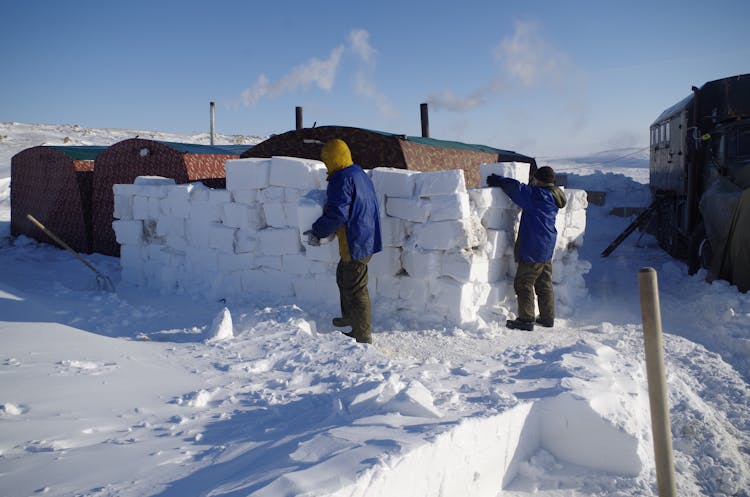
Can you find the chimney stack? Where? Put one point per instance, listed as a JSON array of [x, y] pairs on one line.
[[425, 121], [212, 123], [298, 117]]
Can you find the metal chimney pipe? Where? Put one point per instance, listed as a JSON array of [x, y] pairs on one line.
[[212, 123], [425, 120], [298, 116]]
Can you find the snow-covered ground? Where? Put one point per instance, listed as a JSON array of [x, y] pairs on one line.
[[136, 393]]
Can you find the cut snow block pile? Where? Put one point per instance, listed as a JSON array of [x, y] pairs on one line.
[[446, 249]]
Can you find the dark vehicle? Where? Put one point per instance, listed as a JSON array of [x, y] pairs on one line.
[[699, 168]]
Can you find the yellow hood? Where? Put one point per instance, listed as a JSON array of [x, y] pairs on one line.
[[336, 155]]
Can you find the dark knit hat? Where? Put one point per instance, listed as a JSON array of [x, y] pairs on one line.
[[545, 174]]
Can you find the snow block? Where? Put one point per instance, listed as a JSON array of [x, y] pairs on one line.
[[271, 194], [140, 207], [409, 209], [196, 233], [219, 196], [450, 235], [484, 198], [326, 252], [421, 264], [274, 241], [392, 231], [267, 283], [221, 237], [229, 263], [414, 292], [309, 209], [123, 206], [466, 266], [244, 174], [447, 182], [128, 232], [203, 212], [497, 243], [393, 182], [294, 263], [247, 241], [247, 196], [177, 203], [299, 173], [317, 289], [501, 219], [153, 186], [448, 207], [516, 170], [274, 214], [458, 301], [386, 262]]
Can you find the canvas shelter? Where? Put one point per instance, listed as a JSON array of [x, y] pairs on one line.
[[54, 184], [124, 161], [372, 149]]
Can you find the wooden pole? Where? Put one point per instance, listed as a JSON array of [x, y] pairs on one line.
[[657, 382]]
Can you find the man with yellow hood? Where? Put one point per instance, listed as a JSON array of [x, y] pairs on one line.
[[351, 212]]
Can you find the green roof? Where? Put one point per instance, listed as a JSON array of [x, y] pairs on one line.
[[434, 142], [193, 148], [81, 152]]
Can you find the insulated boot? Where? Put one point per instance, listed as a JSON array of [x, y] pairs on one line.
[[547, 323], [359, 340], [519, 324], [341, 322]]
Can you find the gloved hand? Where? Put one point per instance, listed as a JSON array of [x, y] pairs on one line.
[[494, 180], [312, 239]]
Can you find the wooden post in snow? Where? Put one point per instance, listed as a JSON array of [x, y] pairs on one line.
[[657, 382]]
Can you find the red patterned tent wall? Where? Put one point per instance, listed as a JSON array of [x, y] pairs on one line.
[[124, 161], [54, 184], [372, 149]]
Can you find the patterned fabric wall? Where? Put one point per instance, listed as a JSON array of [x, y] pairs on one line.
[[210, 169], [424, 158], [369, 149], [53, 188], [126, 160]]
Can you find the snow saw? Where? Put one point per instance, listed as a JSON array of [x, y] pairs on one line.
[[102, 281]]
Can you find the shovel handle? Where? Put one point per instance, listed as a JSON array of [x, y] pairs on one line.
[[60, 242]]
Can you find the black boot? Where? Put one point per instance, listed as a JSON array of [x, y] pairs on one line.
[[519, 324], [367, 339], [547, 323], [341, 322]]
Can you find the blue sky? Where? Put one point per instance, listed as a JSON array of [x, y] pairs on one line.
[[544, 78]]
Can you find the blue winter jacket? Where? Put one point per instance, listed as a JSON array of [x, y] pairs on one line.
[[351, 202], [537, 233]]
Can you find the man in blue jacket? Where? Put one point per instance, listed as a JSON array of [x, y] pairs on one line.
[[535, 245], [351, 212]]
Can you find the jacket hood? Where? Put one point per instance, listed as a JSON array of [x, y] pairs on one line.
[[558, 194], [336, 155]]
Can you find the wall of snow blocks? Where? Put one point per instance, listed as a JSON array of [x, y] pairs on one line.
[[447, 250]]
